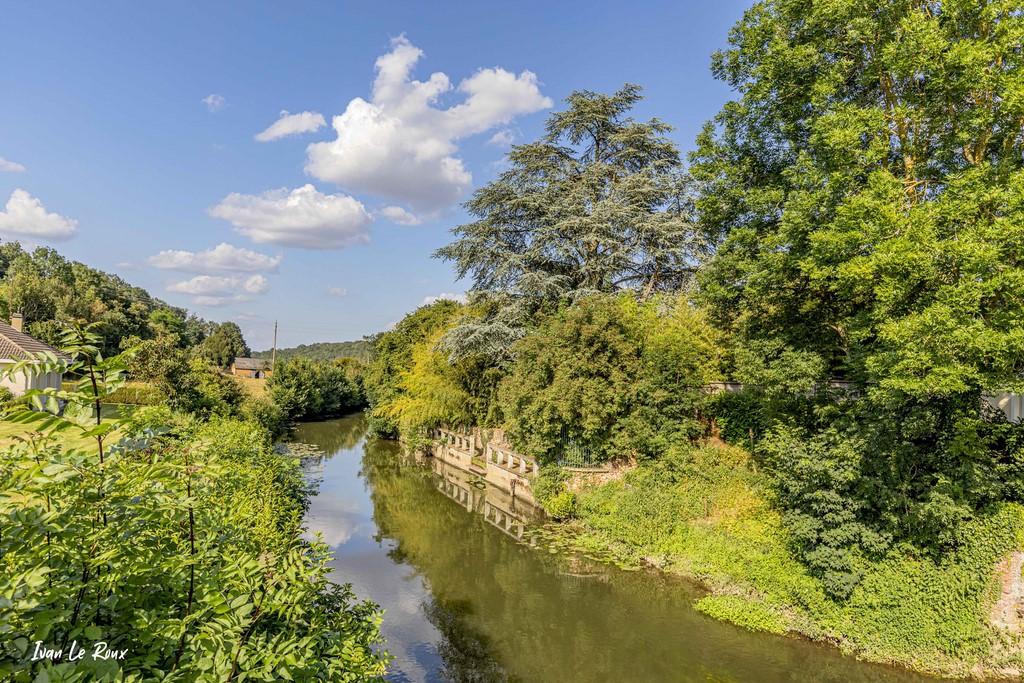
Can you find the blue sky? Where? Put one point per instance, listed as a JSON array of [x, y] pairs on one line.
[[128, 137]]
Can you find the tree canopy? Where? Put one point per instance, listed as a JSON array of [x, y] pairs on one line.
[[865, 189], [596, 205]]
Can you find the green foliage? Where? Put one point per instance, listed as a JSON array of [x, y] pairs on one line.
[[305, 388], [548, 484], [199, 389], [266, 413], [178, 544], [361, 350], [45, 287], [742, 611], [393, 351], [562, 506], [865, 195], [866, 190], [224, 345], [154, 360], [618, 377], [705, 513], [596, 205], [918, 473]]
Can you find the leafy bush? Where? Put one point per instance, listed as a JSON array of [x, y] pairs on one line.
[[562, 506], [617, 377], [306, 388], [180, 545], [200, 389], [874, 472], [6, 398], [265, 413]]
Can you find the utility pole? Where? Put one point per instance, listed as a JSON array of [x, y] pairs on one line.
[[273, 357]]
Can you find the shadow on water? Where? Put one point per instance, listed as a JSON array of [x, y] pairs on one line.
[[467, 599]]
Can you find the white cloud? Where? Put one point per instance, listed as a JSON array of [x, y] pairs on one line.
[[25, 216], [303, 218], [503, 138], [402, 147], [399, 216], [212, 290], [214, 102], [6, 165], [222, 258], [337, 291], [443, 296], [292, 124]]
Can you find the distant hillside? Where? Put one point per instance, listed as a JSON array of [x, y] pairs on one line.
[[360, 350]]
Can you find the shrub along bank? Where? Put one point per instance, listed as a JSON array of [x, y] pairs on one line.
[[173, 538], [705, 513], [821, 518]]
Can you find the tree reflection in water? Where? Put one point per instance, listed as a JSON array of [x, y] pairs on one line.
[[492, 609]]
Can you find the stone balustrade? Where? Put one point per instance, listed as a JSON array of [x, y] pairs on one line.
[[510, 460], [460, 442]]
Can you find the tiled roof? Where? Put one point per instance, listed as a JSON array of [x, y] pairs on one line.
[[18, 345], [252, 364]]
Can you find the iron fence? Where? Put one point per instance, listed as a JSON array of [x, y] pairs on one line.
[[572, 453]]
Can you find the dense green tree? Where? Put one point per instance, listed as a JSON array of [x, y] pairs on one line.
[[153, 360], [865, 193], [45, 287], [598, 204], [307, 388], [165, 321], [393, 355], [196, 388], [613, 376], [224, 345], [866, 188]]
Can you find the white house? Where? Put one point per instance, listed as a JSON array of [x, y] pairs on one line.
[[16, 346]]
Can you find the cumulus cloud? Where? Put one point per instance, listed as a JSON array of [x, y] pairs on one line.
[[25, 216], [303, 218], [399, 216], [337, 291], [222, 258], [443, 296], [213, 290], [292, 124], [6, 165], [214, 102], [503, 138], [401, 146]]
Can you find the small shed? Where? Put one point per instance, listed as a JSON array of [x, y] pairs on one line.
[[17, 346], [253, 368]]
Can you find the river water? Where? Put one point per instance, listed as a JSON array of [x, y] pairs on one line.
[[466, 597]]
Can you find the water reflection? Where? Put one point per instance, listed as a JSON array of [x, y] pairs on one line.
[[467, 599]]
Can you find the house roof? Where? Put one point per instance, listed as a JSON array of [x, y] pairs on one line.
[[18, 345], [252, 364]]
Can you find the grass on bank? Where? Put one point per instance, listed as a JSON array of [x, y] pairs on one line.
[[706, 514], [252, 386]]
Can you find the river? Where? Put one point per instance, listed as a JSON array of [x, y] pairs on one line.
[[466, 598]]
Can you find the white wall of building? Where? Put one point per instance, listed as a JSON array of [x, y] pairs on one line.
[[21, 382]]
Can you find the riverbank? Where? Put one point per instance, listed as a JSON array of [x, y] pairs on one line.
[[706, 515], [466, 597]]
